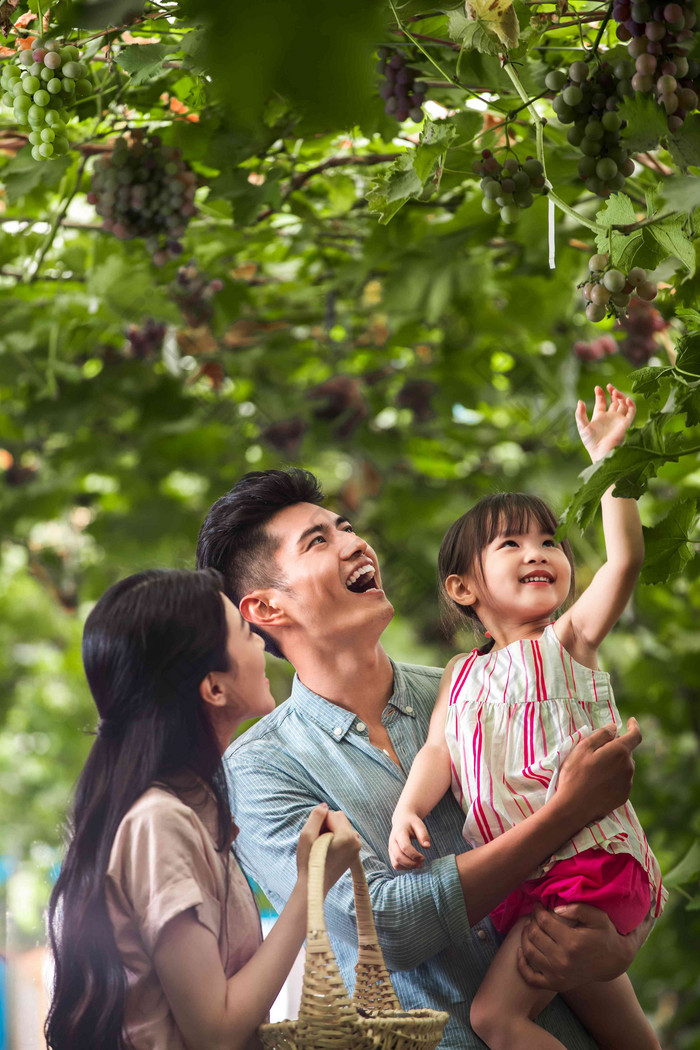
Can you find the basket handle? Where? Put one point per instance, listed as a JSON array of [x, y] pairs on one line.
[[373, 987]]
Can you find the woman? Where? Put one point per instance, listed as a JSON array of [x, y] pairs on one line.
[[154, 929]]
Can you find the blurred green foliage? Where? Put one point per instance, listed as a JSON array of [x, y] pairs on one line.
[[371, 324]]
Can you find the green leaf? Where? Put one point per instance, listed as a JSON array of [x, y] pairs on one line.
[[684, 146], [390, 191], [434, 141], [672, 240], [647, 382], [686, 398], [688, 359], [646, 123], [24, 174], [633, 462], [687, 870], [144, 62], [667, 545], [690, 318], [680, 193], [618, 210], [472, 33], [97, 14]]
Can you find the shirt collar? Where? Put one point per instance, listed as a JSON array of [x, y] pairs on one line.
[[335, 720]]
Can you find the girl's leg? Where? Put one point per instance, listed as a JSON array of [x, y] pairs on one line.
[[611, 1013], [503, 1009]]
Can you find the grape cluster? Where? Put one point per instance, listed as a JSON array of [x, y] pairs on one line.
[[641, 324], [193, 293], [597, 349], [145, 189], [588, 100], [659, 37], [37, 84], [145, 341], [609, 290], [403, 96], [508, 187]]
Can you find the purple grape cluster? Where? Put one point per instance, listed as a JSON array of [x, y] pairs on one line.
[[597, 349], [659, 37], [608, 290], [145, 189], [641, 324], [146, 340], [403, 96], [193, 292], [587, 99], [38, 84], [509, 187]]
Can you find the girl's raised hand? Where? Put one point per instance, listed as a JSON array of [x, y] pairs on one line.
[[609, 423]]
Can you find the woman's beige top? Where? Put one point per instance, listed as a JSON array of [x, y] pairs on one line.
[[163, 862]]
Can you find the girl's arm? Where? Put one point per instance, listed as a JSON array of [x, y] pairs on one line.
[[427, 782], [216, 1013], [582, 627]]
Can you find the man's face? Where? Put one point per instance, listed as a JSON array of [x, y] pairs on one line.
[[332, 581]]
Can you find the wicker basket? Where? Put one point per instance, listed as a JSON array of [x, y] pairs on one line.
[[328, 1019]]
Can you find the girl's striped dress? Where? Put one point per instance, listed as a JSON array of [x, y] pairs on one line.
[[514, 715]]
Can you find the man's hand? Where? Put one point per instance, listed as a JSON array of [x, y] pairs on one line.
[[597, 776], [405, 827], [574, 946]]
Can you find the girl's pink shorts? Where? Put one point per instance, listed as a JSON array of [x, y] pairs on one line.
[[614, 882]]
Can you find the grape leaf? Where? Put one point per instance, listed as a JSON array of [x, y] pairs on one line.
[[633, 461], [144, 62], [667, 545], [680, 193], [639, 248], [687, 870], [618, 210], [499, 16], [646, 123], [390, 191], [435, 139], [688, 359], [647, 382], [690, 318], [472, 33], [22, 174], [684, 146], [672, 240], [686, 398]]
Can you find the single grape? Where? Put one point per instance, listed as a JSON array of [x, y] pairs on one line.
[[597, 263], [614, 280], [594, 312], [600, 295], [578, 72], [646, 290], [555, 80]]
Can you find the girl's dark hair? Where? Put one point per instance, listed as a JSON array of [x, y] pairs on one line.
[[147, 645], [461, 550]]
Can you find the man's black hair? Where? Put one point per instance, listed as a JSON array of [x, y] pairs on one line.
[[234, 538]]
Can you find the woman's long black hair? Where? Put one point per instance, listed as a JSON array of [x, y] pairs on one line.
[[147, 645]]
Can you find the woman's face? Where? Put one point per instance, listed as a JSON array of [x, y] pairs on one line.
[[246, 687]]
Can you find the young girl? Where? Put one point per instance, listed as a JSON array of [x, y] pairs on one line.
[[507, 716], [154, 928]]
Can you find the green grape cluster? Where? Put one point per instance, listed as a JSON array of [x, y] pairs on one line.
[[38, 85], [608, 290], [587, 99], [508, 187], [145, 189]]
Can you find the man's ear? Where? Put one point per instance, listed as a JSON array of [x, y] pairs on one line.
[[263, 608], [460, 590]]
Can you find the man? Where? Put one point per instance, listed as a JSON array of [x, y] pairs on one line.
[[347, 736]]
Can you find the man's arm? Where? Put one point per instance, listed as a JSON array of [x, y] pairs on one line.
[[595, 779], [416, 916]]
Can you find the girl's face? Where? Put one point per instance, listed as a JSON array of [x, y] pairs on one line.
[[526, 577], [245, 686]]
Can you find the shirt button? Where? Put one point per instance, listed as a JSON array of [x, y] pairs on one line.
[[409, 710], [360, 727], [482, 935], [337, 731]]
